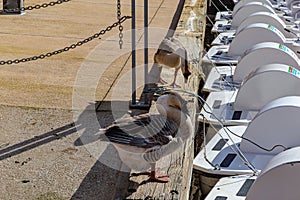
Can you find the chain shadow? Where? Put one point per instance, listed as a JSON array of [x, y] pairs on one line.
[[51, 136], [101, 182], [37, 141]]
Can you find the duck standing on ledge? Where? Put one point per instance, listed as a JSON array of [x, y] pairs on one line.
[[141, 141], [172, 53]]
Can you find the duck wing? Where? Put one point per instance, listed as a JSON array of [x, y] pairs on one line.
[[169, 45], [145, 131]]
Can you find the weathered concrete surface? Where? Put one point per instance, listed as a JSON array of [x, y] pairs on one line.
[[41, 156], [49, 83]]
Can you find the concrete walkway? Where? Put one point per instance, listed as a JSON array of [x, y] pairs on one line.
[[48, 83], [41, 152]]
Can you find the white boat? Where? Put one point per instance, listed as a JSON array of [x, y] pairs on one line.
[[228, 77], [288, 29], [244, 8], [225, 15], [241, 14], [238, 107], [248, 37], [278, 180], [237, 150]]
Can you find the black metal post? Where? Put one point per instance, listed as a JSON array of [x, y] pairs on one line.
[[146, 38], [134, 103], [133, 57], [12, 6]]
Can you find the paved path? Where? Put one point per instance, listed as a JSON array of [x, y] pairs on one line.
[[41, 155], [49, 83]]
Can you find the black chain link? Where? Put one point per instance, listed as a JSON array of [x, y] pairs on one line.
[[120, 26], [44, 5], [72, 46]]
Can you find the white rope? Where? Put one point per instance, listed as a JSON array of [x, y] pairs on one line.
[[236, 149]]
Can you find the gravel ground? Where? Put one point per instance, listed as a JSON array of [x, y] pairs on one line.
[[40, 152], [40, 157]]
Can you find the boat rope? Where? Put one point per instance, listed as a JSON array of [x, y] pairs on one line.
[[227, 9], [239, 152], [236, 149], [259, 146], [226, 128], [215, 6], [216, 167]]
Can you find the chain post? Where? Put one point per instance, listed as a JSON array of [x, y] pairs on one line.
[[119, 14], [44, 5], [13, 5]]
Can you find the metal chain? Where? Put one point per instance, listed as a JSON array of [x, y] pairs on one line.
[[120, 26], [44, 5], [73, 46]]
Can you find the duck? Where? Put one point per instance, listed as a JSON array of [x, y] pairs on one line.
[[172, 53], [141, 141]]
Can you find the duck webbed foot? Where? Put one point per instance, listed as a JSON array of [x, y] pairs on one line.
[[161, 81], [174, 85], [155, 176]]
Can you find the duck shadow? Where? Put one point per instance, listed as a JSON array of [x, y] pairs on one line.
[[104, 181], [91, 120]]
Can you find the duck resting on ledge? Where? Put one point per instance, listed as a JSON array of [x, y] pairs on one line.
[[143, 140], [171, 53]]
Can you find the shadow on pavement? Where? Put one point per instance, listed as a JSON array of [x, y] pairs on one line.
[[102, 181]]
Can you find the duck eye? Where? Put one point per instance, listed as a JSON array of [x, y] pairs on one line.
[[175, 106]]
